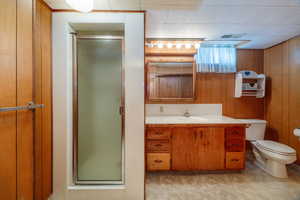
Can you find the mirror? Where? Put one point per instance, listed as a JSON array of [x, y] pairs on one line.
[[171, 80]]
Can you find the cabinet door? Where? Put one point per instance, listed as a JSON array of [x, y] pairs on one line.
[[198, 148]]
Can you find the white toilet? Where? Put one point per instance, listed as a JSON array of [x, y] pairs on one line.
[[270, 156]]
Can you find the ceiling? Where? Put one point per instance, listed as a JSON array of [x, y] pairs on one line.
[[263, 22]]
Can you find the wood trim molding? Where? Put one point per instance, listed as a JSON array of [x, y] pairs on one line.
[[282, 43], [43, 95], [44, 3]]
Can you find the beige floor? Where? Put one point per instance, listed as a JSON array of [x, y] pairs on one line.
[[251, 184]]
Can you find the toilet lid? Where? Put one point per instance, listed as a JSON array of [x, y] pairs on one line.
[[275, 147]]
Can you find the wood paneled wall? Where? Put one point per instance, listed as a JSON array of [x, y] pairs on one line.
[[43, 95], [16, 127], [282, 67], [213, 88], [25, 123]]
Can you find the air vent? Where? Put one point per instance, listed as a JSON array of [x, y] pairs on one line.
[[233, 36]]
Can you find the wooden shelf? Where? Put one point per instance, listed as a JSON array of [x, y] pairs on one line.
[[258, 85], [166, 75], [254, 78]]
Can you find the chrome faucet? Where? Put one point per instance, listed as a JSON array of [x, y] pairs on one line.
[[186, 113]]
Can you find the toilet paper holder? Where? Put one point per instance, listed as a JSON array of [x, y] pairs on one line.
[[297, 132]]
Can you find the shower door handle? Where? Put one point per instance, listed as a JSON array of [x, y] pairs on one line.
[[29, 106]]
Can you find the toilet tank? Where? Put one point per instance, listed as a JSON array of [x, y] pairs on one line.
[[256, 130]]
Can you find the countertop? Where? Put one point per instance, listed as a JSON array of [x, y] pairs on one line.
[[203, 119]]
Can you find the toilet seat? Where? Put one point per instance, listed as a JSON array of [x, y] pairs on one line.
[[276, 147]]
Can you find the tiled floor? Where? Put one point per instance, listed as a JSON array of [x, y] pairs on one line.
[[251, 184]]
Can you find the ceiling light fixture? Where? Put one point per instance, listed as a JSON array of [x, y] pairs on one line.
[[81, 5]]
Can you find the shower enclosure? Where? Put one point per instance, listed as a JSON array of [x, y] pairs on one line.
[[98, 106]]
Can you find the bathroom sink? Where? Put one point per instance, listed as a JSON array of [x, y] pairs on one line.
[[196, 118], [205, 119]]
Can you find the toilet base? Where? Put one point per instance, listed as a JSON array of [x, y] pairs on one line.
[[270, 166], [273, 168]]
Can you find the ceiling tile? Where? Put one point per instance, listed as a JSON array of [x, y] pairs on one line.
[[61, 4], [266, 22], [170, 4], [101, 5], [125, 4], [285, 3]]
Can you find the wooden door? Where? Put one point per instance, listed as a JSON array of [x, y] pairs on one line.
[[198, 148], [8, 129], [17, 80]]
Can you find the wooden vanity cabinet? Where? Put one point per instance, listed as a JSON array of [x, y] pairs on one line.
[[235, 147], [192, 147], [197, 149], [158, 148]]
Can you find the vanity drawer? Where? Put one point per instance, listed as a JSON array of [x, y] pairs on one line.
[[158, 146], [158, 161], [235, 160], [158, 133], [235, 145], [235, 132]]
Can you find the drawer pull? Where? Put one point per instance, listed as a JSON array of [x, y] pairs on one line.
[[155, 133], [235, 145], [157, 146], [235, 160], [158, 161]]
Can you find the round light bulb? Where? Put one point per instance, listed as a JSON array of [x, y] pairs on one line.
[[150, 45], [188, 45], [178, 46], [197, 45], [160, 45], [169, 45]]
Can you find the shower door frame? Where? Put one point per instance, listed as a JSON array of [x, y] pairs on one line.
[[76, 36]]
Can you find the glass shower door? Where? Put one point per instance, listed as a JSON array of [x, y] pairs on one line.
[[98, 145]]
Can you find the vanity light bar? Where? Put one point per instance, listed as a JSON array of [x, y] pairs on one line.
[[188, 43], [178, 43], [170, 45]]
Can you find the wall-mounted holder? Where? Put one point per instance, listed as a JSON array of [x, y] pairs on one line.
[[297, 132], [249, 83]]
